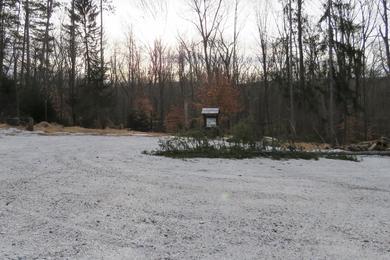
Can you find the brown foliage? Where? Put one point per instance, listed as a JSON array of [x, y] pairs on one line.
[[144, 104], [174, 120], [352, 130], [221, 94]]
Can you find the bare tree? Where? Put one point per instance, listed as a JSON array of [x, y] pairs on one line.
[[183, 81], [45, 59], [191, 56], [26, 46], [290, 78], [2, 42], [300, 44], [102, 65], [153, 7], [72, 54], [15, 58], [368, 25], [332, 135], [384, 32], [161, 73], [235, 43], [226, 52], [60, 61], [208, 13], [131, 73], [262, 27]]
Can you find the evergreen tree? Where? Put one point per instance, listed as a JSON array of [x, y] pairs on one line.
[[95, 92], [86, 13]]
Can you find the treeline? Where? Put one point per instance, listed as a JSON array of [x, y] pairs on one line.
[[321, 78]]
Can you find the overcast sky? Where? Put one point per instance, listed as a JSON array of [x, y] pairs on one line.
[[169, 18]]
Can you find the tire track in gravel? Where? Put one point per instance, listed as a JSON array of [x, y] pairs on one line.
[[93, 234]]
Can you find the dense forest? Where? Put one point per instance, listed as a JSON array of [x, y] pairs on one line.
[[323, 78]]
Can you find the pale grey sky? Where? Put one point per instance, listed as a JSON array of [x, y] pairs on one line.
[[172, 17], [169, 20]]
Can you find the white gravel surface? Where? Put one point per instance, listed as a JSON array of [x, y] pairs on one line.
[[91, 197]]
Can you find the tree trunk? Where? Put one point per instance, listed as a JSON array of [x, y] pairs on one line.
[[290, 73], [385, 35], [101, 42], [2, 43], [300, 46], [72, 76], [27, 40], [45, 62], [16, 58], [235, 61], [330, 75]]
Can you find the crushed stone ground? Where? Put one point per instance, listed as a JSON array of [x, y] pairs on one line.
[[94, 197]]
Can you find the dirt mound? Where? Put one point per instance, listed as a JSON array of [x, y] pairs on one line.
[[43, 124], [57, 129], [45, 128], [49, 128]]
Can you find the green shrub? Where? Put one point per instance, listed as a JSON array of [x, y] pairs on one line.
[[138, 121], [245, 132], [198, 145]]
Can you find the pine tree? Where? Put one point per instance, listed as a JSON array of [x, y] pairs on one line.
[[95, 91], [43, 41], [86, 13]]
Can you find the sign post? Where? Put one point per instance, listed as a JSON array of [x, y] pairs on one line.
[[210, 117]]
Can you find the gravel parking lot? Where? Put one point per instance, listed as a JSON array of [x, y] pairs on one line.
[[94, 197]]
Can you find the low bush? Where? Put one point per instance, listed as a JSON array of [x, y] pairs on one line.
[[198, 145], [202, 147], [245, 132]]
